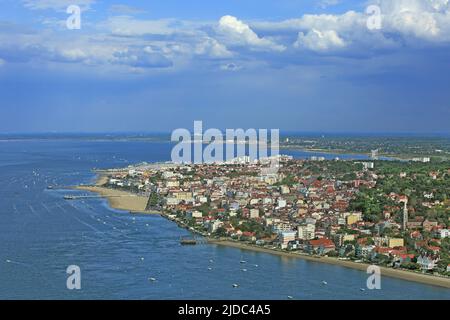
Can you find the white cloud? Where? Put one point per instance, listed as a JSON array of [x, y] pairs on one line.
[[97, 51], [70, 55], [213, 48], [319, 40], [141, 43], [423, 19], [237, 32], [145, 58], [344, 22], [403, 21]]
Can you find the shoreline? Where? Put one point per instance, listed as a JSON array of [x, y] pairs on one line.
[[389, 156], [343, 152], [118, 199], [389, 272], [126, 201]]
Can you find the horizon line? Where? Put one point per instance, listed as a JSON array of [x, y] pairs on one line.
[[282, 132]]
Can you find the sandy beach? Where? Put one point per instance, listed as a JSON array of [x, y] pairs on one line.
[[121, 200], [388, 272], [101, 180]]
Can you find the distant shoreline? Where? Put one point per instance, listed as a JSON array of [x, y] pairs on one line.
[[347, 153], [126, 201]]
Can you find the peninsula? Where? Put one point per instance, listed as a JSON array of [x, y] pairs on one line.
[[394, 214]]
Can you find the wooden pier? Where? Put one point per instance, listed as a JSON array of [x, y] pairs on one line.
[[69, 197], [192, 241]]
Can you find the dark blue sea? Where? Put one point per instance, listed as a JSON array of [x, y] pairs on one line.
[[41, 234]]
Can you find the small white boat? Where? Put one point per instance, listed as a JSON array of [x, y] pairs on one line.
[[243, 261], [152, 279], [209, 269], [235, 285], [290, 297], [362, 289], [324, 282], [244, 270]]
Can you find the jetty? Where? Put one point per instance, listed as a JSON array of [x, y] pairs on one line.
[[70, 197], [188, 241], [192, 241]]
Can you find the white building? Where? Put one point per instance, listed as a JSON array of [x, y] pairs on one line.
[[306, 232], [214, 226], [426, 263], [287, 236], [168, 174], [281, 226], [172, 201], [254, 213], [366, 251], [173, 183], [368, 165], [203, 199], [194, 214], [285, 189], [424, 159], [281, 203], [444, 233]]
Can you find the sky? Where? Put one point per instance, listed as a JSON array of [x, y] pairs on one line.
[[293, 65]]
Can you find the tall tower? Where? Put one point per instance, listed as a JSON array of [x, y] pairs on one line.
[[405, 214]]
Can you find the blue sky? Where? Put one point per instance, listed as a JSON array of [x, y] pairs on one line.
[[298, 65]]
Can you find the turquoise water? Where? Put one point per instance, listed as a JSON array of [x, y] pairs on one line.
[[41, 235]]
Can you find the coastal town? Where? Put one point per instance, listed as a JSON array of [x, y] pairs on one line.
[[389, 213]]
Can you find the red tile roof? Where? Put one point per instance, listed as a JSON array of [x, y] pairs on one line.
[[326, 243]]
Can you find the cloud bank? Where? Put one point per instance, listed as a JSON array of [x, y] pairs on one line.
[[122, 39]]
